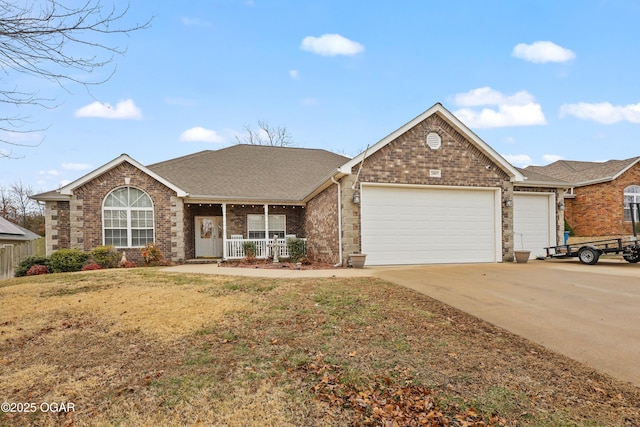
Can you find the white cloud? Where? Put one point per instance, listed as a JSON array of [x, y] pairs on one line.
[[603, 112], [550, 158], [125, 110], [50, 172], [294, 74], [542, 51], [76, 166], [200, 134], [520, 160], [487, 96], [331, 45], [519, 109]]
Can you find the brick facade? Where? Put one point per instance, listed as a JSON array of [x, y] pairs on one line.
[[408, 160], [82, 229], [598, 209], [322, 225]]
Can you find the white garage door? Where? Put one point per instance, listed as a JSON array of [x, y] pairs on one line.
[[533, 222], [419, 225]]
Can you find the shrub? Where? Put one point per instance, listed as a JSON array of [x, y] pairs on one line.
[[151, 254], [36, 270], [29, 262], [128, 264], [250, 250], [105, 256], [297, 249], [92, 266], [66, 260]]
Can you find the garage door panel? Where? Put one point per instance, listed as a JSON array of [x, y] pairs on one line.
[[402, 225], [533, 224]]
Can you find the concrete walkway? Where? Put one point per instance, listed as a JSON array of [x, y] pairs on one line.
[[588, 313], [282, 273]]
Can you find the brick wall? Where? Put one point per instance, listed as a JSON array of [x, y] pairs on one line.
[[321, 226], [57, 226], [79, 221], [598, 210], [408, 160]]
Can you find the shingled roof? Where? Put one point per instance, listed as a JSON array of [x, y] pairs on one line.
[[585, 173], [535, 179], [11, 231], [251, 172]]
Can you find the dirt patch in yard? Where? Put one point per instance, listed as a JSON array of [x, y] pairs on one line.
[[311, 352]]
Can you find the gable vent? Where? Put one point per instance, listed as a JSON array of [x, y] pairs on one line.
[[433, 140]]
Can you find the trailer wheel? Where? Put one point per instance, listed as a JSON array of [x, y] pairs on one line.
[[631, 258], [588, 255]]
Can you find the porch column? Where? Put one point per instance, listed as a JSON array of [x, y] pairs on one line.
[[266, 230], [224, 231]]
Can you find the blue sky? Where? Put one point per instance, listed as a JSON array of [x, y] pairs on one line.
[[536, 80]]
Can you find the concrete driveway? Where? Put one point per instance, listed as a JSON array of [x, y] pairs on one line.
[[589, 313]]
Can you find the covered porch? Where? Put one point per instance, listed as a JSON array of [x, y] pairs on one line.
[[224, 230]]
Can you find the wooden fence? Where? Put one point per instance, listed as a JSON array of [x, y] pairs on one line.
[[11, 255]]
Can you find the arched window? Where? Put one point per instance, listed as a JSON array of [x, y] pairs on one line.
[[631, 195], [127, 218]]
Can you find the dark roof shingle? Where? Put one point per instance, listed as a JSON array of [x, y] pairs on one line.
[[578, 173], [251, 172]]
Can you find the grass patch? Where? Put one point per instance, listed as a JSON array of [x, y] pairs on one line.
[[143, 347]]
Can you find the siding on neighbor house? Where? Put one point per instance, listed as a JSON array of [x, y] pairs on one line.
[[408, 160], [598, 209]]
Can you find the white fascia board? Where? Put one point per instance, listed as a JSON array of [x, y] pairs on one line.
[[461, 127], [68, 189]]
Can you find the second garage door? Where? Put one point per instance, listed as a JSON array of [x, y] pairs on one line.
[[533, 222], [426, 225]]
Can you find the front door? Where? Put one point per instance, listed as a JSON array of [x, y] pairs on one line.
[[208, 236]]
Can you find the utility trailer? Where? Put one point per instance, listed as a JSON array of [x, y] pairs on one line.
[[590, 252]]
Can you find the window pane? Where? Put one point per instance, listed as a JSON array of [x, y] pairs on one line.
[[139, 199], [255, 222], [115, 237], [117, 198], [141, 237], [277, 225]]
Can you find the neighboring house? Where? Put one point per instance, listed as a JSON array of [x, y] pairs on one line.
[[13, 234], [430, 192], [598, 201]]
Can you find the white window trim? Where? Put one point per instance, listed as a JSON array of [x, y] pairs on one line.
[[636, 199], [128, 210]]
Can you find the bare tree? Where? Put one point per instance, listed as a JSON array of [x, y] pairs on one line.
[[63, 43], [266, 135], [23, 203], [7, 205]]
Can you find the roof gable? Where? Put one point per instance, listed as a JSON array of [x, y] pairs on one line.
[[586, 173], [68, 189], [510, 170]]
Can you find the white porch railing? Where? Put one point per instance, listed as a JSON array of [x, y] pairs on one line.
[[264, 248]]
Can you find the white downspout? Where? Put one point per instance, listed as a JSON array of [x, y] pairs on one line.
[[339, 264]]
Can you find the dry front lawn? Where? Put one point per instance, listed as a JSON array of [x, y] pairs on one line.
[[142, 347]]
